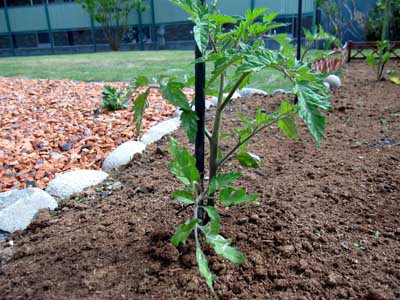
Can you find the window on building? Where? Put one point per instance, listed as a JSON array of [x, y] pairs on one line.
[[43, 38]]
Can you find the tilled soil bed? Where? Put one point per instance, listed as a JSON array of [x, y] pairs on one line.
[[327, 225]]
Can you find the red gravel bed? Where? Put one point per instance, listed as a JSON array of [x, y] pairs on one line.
[[38, 117]]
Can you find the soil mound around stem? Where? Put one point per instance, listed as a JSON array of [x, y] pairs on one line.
[[326, 225]]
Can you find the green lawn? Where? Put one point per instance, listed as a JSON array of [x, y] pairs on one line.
[[116, 66]]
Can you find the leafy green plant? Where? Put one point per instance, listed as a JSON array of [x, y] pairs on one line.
[[378, 61], [113, 16], [312, 40], [114, 99], [235, 55]]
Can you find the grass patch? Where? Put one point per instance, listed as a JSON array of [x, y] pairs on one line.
[[117, 66]]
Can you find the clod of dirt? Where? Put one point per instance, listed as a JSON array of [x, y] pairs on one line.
[[41, 218], [166, 253], [307, 246], [375, 295], [188, 260], [332, 280], [286, 250]]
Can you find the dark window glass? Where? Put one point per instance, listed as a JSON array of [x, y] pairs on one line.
[[43, 38]]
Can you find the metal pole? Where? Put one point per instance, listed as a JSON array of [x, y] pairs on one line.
[[140, 29], [93, 34], [299, 27], [252, 4], [200, 81], [153, 23], [315, 14], [10, 37], [46, 8]]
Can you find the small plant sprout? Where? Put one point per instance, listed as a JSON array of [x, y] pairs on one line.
[[377, 63], [235, 55], [114, 99]]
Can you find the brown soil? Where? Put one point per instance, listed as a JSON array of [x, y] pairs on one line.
[[326, 226]]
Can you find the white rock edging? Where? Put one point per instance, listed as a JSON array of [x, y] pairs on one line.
[[333, 81], [18, 207], [161, 129], [122, 155], [281, 91], [249, 92], [67, 184]]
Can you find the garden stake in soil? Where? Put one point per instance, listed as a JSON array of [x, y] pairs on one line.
[[299, 25], [200, 82]]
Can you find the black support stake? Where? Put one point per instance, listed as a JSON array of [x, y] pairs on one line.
[[200, 81], [299, 28]]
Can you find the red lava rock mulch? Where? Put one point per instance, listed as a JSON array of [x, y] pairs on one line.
[[38, 117]]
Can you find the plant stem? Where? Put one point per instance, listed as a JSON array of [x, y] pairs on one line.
[[214, 143], [208, 134], [256, 131], [385, 20], [197, 214], [233, 90], [216, 131]]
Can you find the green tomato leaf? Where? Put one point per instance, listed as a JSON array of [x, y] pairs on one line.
[[141, 81], [386, 57], [222, 19], [371, 59], [203, 268], [139, 107], [310, 100], [182, 233], [247, 159], [222, 180], [184, 165], [262, 118], [287, 125], [222, 247], [172, 92], [201, 32], [215, 219], [183, 196], [186, 5], [231, 196], [189, 123]]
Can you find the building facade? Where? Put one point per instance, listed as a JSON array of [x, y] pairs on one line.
[[62, 26]]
